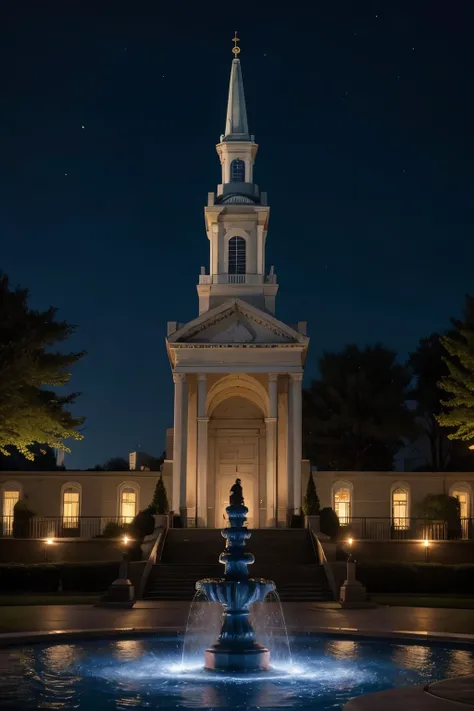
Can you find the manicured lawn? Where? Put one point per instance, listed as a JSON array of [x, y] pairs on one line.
[[448, 601], [49, 599]]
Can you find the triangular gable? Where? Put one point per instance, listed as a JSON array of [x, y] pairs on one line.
[[237, 322]]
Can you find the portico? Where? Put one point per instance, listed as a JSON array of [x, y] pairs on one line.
[[237, 369]]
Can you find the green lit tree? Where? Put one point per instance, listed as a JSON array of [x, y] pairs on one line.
[[160, 504], [311, 498], [459, 382], [31, 411]]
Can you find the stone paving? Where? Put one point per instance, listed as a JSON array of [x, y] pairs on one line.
[[300, 617], [447, 695]]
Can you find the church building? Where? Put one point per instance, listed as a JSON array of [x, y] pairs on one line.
[[237, 368]]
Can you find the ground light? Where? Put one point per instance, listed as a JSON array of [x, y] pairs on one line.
[[426, 545], [48, 542], [125, 539]]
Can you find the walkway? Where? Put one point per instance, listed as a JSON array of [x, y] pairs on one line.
[[300, 617], [447, 695]]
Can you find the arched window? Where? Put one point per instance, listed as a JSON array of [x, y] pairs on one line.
[[342, 504], [237, 171], [237, 257], [128, 504], [11, 493], [400, 513], [71, 505]]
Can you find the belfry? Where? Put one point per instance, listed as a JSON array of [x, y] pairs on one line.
[[237, 369]]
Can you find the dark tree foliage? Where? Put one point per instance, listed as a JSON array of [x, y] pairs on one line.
[[116, 464], [311, 499], [31, 412], [458, 411], [355, 414], [160, 505]]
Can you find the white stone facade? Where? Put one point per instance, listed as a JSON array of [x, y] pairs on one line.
[[237, 370]]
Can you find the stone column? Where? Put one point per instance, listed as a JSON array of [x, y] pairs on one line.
[[202, 456], [179, 445], [296, 408], [271, 448], [289, 452]]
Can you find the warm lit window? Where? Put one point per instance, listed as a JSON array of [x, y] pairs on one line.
[[237, 171], [128, 505], [400, 509], [342, 505], [71, 508], [9, 500], [237, 258], [463, 499]]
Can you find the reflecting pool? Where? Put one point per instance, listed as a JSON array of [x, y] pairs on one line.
[[149, 673]]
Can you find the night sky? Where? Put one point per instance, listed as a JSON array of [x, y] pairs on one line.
[[364, 115]]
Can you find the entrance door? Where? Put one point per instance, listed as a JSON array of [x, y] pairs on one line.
[[226, 477]]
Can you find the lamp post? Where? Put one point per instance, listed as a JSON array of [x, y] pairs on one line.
[[48, 542]]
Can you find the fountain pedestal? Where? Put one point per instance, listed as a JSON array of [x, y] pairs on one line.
[[236, 648]]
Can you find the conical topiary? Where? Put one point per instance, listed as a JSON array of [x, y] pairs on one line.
[[159, 505], [311, 499]]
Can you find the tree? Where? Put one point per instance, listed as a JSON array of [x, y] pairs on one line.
[[311, 499], [428, 367], [355, 415], [116, 464], [30, 413], [459, 382], [160, 499]]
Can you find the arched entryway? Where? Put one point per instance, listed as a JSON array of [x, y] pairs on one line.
[[237, 411]]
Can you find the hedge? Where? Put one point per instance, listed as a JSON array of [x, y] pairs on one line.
[[436, 578], [46, 577]]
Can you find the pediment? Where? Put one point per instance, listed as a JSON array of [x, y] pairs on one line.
[[236, 322]]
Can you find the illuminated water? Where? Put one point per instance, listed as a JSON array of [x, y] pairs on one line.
[[148, 673]]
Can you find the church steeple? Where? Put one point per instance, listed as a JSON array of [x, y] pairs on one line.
[[236, 125], [237, 215]]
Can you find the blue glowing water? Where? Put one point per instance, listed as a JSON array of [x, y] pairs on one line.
[[147, 673]]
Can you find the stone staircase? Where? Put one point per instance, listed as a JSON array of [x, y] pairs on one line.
[[283, 555]]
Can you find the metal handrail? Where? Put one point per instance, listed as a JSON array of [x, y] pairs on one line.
[[155, 555], [326, 566]]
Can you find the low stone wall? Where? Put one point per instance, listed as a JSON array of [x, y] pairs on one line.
[[449, 552], [65, 550]]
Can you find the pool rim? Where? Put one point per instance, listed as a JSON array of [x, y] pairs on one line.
[[14, 639]]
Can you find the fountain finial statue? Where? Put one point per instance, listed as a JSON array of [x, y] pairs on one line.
[[236, 494], [236, 648]]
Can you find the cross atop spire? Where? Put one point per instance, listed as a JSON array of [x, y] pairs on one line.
[[235, 48], [236, 126]]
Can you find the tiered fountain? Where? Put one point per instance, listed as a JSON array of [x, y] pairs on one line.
[[236, 648]]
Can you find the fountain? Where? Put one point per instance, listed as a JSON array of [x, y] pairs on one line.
[[236, 648]]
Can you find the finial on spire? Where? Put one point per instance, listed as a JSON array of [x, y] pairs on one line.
[[235, 48]]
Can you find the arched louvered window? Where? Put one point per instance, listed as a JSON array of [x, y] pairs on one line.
[[237, 257], [237, 171]]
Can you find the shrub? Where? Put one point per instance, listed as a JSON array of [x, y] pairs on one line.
[[160, 505], [311, 500], [113, 530], [21, 519], [143, 524], [329, 522], [433, 578], [45, 577], [88, 577]]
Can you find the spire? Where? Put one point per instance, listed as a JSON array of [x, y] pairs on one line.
[[236, 126]]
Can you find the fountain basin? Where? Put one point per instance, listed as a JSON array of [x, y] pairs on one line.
[[236, 648], [230, 660]]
